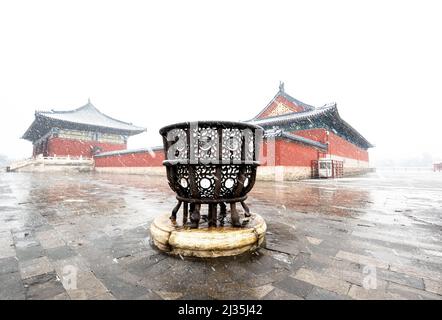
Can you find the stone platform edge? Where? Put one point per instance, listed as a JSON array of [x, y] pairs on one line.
[[207, 242]]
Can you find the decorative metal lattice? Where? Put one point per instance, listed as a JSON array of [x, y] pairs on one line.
[[211, 163]]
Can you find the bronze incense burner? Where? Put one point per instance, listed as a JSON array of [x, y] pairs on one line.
[[211, 162]]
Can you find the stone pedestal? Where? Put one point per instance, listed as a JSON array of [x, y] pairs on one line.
[[206, 242]]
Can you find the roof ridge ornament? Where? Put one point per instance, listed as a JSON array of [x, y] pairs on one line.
[[281, 86], [89, 100]]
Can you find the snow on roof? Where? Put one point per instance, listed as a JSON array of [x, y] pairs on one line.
[[89, 115], [281, 119]]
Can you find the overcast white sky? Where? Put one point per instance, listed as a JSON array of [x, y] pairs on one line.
[[159, 62]]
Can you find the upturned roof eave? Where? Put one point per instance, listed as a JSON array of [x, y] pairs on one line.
[[29, 135], [313, 114], [280, 119], [134, 130], [52, 115], [360, 136]]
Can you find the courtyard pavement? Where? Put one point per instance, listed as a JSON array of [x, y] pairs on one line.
[[86, 236]]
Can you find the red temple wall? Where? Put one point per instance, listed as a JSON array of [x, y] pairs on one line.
[[337, 146], [340, 147], [313, 134], [76, 148], [288, 153], [139, 159]]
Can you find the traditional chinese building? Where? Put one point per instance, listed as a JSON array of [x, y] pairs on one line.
[[308, 139], [81, 132], [302, 141]]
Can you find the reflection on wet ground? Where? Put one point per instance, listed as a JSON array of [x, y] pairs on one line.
[[326, 240], [311, 198]]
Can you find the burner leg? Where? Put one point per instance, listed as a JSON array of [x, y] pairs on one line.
[[222, 210], [191, 210], [212, 215], [185, 212], [234, 215], [246, 209], [222, 213], [209, 213], [195, 216], [175, 210]]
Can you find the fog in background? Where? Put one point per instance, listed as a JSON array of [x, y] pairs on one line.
[[155, 63]]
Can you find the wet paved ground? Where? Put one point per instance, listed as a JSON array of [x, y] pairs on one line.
[[86, 236]]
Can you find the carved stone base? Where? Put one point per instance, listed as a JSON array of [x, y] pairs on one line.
[[207, 242]]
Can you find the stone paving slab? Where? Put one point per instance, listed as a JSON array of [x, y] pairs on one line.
[[44, 286], [401, 278], [422, 272], [323, 294], [360, 293], [411, 293], [352, 277], [278, 294], [6, 245], [60, 253], [50, 239], [361, 259], [11, 287], [8, 265], [351, 238], [35, 267], [433, 286], [30, 252], [294, 286], [322, 281]]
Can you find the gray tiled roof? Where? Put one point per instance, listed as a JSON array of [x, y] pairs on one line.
[[288, 117], [279, 133], [330, 109], [89, 115]]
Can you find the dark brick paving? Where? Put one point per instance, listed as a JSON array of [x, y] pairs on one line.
[[86, 236]]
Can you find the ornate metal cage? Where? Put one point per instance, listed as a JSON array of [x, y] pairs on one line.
[[211, 162]]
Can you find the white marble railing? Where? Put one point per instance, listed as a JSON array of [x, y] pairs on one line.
[[55, 160]]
